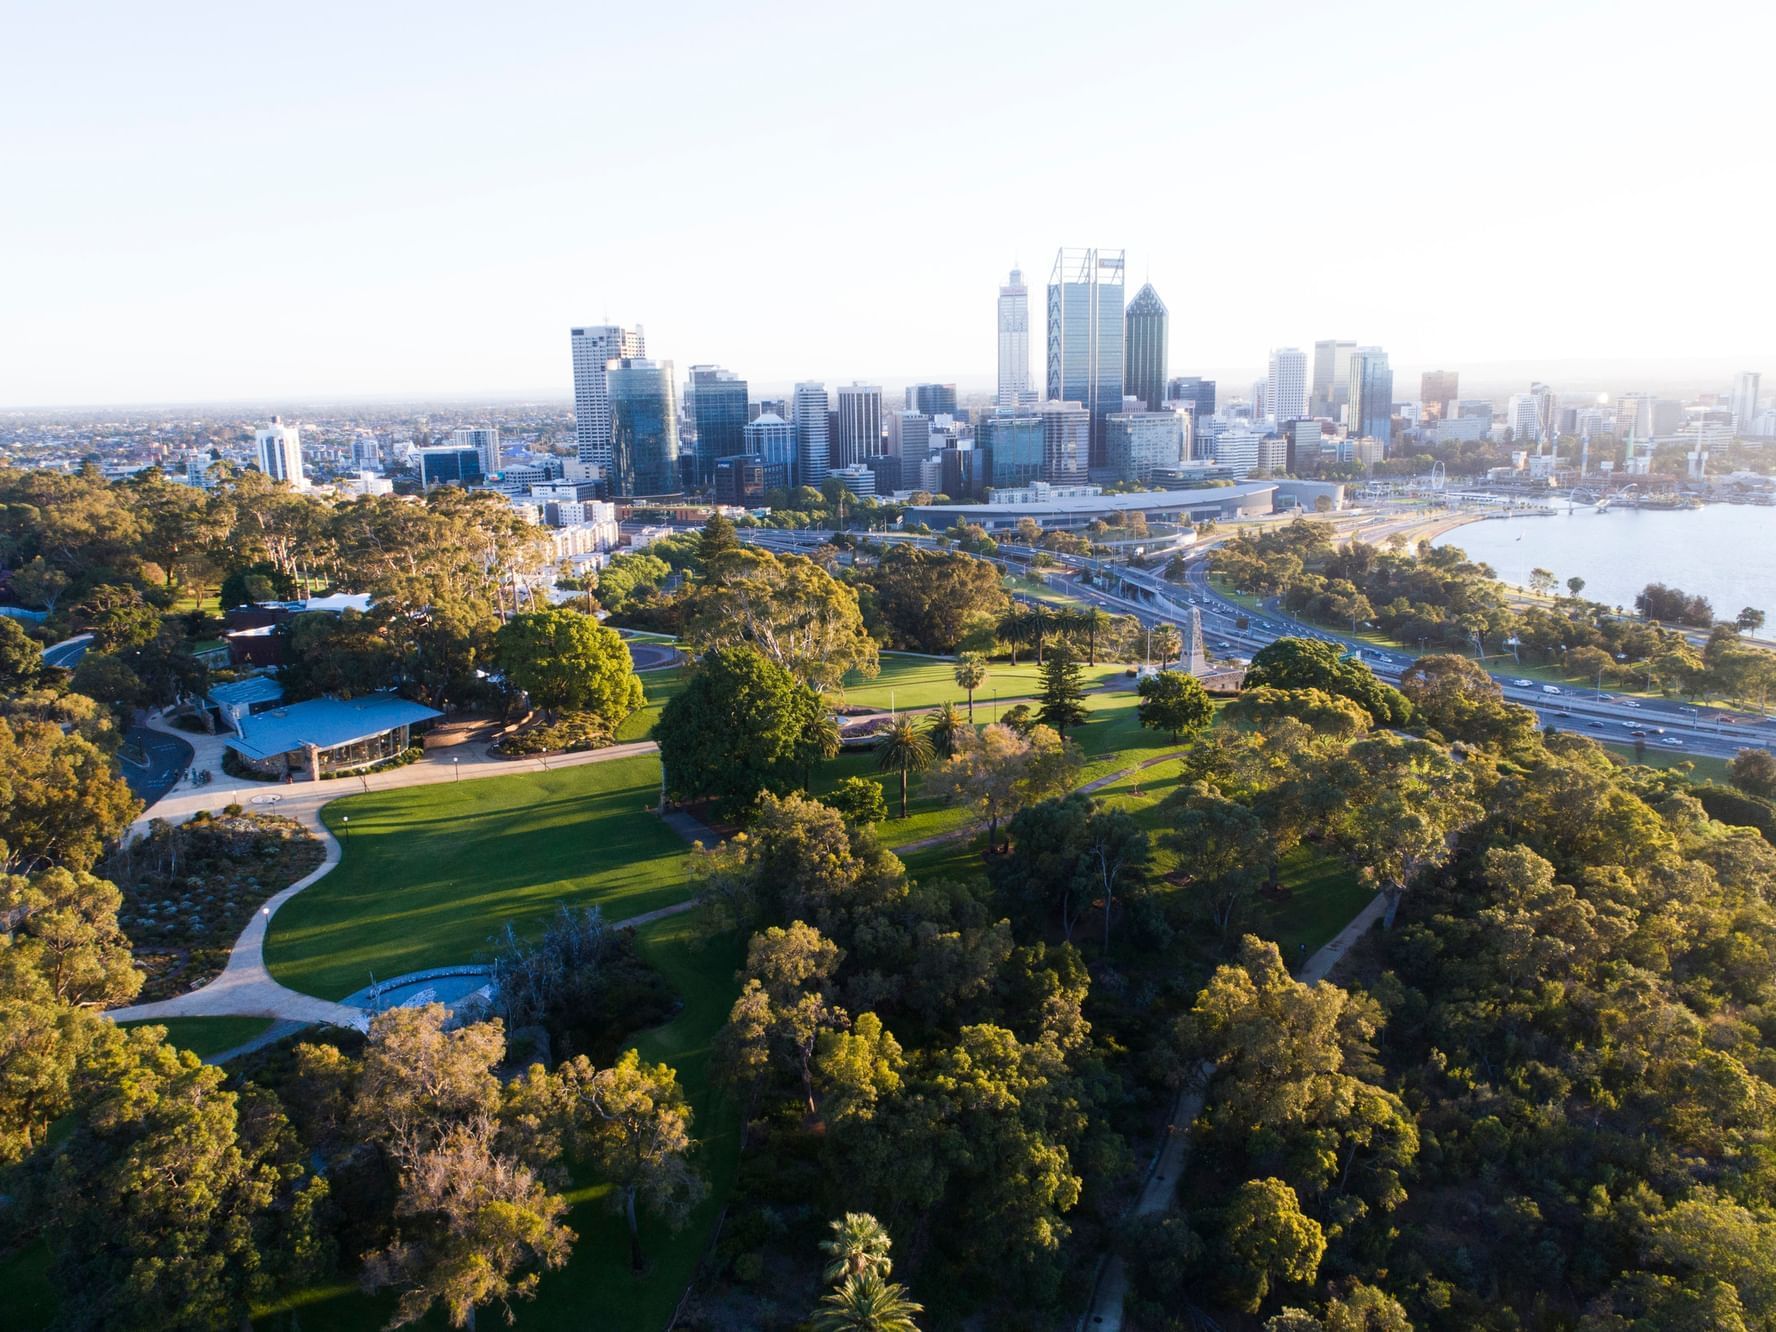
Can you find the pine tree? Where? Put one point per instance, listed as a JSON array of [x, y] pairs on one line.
[[1063, 691]]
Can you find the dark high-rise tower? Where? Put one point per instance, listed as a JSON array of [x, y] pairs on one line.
[[1144, 349], [932, 399], [718, 412], [1437, 392], [644, 427]]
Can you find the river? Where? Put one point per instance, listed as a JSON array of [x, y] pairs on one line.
[[1726, 552]]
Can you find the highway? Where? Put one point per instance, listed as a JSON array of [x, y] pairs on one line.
[[1669, 725]]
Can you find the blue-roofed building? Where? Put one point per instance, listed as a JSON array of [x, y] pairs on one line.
[[243, 698], [327, 735]]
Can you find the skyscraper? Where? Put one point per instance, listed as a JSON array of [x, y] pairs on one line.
[[909, 435], [859, 433], [1331, 377], [932, 399], [1013, 445], [1745, 401], [1371, 394], [1195, 391], [594, 348], [1287, 388], [718, 414], [1014, 342], [1437, 394], [813, 441], [644, 427], [772, 440], [280, 452], [1144, 333], [485, 441], [1085, 331], [1066, 442]]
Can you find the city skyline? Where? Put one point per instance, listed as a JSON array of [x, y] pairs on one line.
[[371, 232]]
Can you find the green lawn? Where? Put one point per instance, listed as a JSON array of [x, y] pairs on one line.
[[431, 872], [661, 687], [920, 682], [205, 1036], [1110, 741]]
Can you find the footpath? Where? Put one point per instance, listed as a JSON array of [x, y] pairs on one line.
[[1161, 1188]]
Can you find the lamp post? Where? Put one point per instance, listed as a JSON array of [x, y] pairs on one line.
[[346, 823], [456, 768]]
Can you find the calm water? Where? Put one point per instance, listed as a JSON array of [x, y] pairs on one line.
[[1727, 552]]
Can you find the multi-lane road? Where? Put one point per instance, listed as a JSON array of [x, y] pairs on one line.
[[1232, 630]]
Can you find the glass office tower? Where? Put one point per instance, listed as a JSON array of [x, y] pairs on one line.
[[1085, 335], [718, 412], [1012, 443], [1371, 395], [644, 428]]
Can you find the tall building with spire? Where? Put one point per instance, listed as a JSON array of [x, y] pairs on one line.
[[594, 348], [1144, 334], [1014, 343], [1085, 336]]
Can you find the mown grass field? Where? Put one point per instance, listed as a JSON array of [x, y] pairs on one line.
[[432, 872], [205, 1036]]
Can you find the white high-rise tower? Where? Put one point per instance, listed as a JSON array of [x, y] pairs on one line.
[[593, 349], [813, 436], [1014, 343], [280, 452], [1745, 400], [1287, 389]]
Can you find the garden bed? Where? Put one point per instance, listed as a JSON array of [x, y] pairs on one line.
[[189, 890]]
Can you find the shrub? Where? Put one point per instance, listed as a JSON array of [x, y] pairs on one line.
[[570, 733]]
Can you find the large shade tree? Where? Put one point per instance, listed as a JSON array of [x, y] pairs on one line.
[[566, 660], [741, 726]]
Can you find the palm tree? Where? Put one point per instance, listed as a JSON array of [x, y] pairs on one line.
[[1094, 622], [867, 1303], [1167, 643], [971, 674], [946, 725], [904, 748], [1038, 624], [1011, 629], [859, 1244], [821, 740]]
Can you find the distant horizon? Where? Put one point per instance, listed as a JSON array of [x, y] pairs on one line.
[[1571, 376]]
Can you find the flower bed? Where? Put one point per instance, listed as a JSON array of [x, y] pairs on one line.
[[189, 890]]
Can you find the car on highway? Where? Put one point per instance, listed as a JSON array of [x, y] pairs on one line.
[[1630, 703], [1524, 684], [1550, 689], [1671, 740]]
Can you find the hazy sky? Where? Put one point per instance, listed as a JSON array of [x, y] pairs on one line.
[[209, 201]]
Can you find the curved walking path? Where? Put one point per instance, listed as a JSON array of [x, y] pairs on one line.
[[1161, 1186], [246, 988]]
